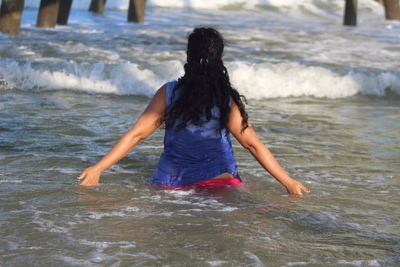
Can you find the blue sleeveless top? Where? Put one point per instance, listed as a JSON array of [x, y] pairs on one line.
[[194, 153]]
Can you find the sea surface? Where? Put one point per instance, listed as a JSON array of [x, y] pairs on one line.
[[323, 97]]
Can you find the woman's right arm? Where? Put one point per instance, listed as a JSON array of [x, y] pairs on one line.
[[147, 123], [249, 140]]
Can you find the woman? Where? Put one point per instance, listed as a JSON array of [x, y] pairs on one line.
[[199, 111]]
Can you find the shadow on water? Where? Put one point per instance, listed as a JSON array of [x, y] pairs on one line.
[[152, 216], [146, 201]]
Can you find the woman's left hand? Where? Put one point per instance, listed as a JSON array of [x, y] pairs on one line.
[[296, 188]]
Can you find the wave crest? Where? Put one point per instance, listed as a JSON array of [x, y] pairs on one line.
[[255, 81]]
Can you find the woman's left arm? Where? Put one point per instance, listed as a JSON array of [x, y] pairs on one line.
[[147, 123], [249, 140]]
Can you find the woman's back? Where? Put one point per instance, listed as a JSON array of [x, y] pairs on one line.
[[195, 152]]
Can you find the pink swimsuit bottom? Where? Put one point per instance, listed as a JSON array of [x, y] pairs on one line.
[[213, 183]]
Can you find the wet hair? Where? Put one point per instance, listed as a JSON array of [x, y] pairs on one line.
[[204, 85]]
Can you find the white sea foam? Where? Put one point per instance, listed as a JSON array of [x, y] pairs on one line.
[[300, 263], [294, 7], [74, 261], [121, 79], [180, 193], [217, 263], [359, 262], [255, 258], [127, 211], [268, 80], [255, 81], [11, 181], [105, 244], [197, 204]]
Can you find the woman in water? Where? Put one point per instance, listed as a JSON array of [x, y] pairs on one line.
[[199, 111]]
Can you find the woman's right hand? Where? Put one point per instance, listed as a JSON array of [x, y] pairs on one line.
[[92, 175]]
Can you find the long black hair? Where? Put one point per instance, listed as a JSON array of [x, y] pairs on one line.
[[205, 84]]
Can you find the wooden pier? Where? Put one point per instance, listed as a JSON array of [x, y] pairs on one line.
[[63, 12], [53, 12], [392, 9], [350, 13], [97, 6], [10, 16]]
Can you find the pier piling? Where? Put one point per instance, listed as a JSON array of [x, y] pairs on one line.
[[48, 12], [350, 13], [136, 10], [10, 16], [97, 6], [392, 9], [63, 12]]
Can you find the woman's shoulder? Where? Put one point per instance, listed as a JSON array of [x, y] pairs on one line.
[[169, 87]]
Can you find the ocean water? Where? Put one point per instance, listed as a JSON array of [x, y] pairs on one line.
[[324, 98]]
